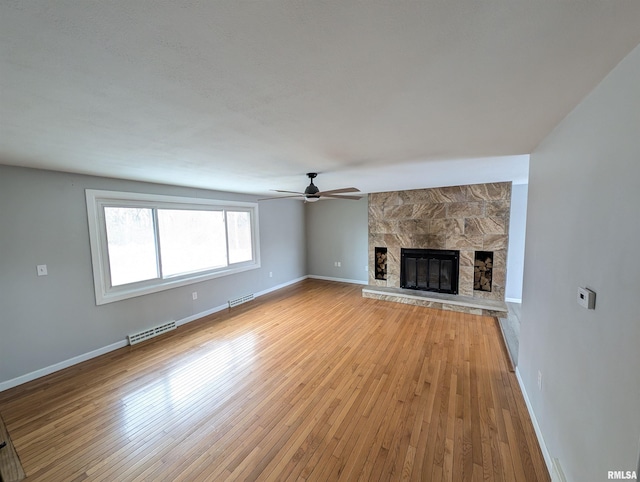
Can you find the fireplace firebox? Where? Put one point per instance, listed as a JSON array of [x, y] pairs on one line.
[[430, 270]]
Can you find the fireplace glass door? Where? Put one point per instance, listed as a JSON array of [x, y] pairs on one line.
[[429, 270]]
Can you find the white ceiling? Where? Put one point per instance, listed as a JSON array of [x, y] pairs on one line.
[[248, 96]]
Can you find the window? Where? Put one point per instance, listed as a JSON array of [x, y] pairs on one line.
[[131, 245], [187, 238], [142, 243]]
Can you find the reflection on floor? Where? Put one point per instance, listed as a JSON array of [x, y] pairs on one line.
[[510, 327]]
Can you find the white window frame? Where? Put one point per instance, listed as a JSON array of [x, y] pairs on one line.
[[97, 200]]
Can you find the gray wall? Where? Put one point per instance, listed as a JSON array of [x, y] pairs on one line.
[[47, 320], [517, 230], [583, 229], [337, 231]]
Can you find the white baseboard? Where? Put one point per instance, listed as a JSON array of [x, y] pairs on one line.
[[543, 447], [61, 365], [202, 314], [14, 382], [280, 286], [513, 300], [341, 280]]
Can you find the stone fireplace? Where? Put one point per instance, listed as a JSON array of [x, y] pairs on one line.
[[468, 219]]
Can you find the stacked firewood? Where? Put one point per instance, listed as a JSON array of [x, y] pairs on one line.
[[381, 264], [482, 273]]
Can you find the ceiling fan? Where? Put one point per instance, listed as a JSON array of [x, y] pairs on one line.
[[313, 194]]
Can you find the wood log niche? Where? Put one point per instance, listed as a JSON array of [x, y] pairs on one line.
[[483, 270]]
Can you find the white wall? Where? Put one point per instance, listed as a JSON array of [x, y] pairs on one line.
[[48, 320], [338, 231], [515, 254], [583, 229]]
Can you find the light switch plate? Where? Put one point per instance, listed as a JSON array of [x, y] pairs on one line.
[[586, 298]]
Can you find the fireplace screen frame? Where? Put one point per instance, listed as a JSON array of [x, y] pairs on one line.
[[429, 258]]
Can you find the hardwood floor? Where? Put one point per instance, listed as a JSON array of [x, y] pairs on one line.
[[10, 466], [312, 382]]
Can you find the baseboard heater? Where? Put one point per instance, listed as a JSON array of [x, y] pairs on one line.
[[239, 301], [151, 332]]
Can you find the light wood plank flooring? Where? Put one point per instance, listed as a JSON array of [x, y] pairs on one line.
[[10, 466], [312, 382]]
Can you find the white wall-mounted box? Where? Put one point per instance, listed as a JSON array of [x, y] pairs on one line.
[[586, 298]]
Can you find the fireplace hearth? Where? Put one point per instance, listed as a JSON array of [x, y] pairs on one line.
[[429, 270]]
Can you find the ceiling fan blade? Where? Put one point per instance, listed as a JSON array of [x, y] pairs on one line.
[[334, 196], [337, 191], [280, 197], [290, 192]]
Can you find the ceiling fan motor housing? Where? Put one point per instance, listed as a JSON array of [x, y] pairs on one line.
[[311, 189]]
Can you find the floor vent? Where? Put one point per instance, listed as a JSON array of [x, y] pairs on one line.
[[239, 301], [151, 332]]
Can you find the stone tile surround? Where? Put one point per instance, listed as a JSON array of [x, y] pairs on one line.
[[466, 218]]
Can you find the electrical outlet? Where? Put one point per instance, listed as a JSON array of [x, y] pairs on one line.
[[270, 274], [42, 269], [366, 268], [539, 380], [339, 264], [194, 295]]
